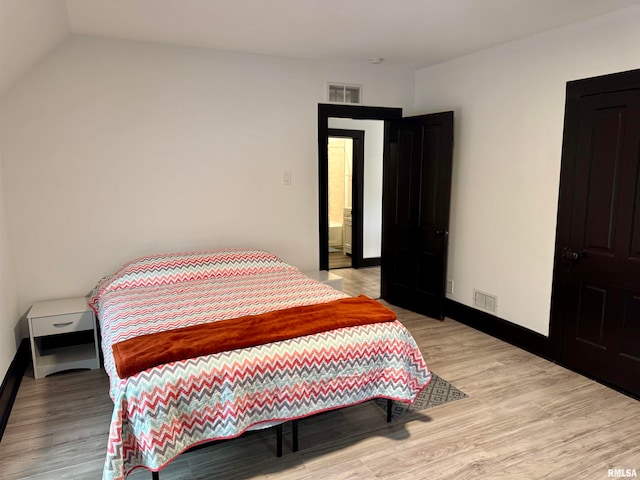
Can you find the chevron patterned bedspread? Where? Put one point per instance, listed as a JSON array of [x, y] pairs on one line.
[[163, 411]]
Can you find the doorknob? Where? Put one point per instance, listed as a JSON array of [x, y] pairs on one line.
[[571, 254], [441, 232]]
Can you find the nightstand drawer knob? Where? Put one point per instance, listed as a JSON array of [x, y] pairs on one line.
[[60, 325]]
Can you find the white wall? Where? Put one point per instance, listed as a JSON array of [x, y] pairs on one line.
[[509, 111], [28, 31], [10, 331], [115, 149], [372, 205]]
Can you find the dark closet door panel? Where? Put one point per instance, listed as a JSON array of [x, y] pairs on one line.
[[596, 306]]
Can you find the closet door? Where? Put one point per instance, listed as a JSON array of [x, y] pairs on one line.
[[416, 213], [595, 321]]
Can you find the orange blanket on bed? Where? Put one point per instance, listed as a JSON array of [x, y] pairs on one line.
[[146, 351]]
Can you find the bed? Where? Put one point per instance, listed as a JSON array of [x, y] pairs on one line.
[[165, 409]]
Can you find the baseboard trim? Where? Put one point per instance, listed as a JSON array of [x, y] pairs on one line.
[[371, 262], [11, 382], [509, 332]]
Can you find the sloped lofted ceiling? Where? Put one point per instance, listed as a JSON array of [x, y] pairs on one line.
[[407, 33]]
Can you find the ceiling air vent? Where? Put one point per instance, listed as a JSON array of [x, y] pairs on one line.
[[344, 93]]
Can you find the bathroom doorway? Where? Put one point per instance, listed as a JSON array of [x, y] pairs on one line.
[[345, 161]]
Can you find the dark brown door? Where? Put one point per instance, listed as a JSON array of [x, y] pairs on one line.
[[416, 213], [596, 304]]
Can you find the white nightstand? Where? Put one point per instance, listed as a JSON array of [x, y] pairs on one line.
[[327, 277], [56, 343]]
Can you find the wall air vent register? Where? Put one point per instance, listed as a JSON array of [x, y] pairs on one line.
[[344, 93]]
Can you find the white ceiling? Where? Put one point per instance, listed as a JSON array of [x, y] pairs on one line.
[[406, 33]]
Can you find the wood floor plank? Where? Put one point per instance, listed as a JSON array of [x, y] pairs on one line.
[[524, 417]]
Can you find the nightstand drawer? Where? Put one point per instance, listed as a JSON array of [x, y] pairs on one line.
[[54, 325]]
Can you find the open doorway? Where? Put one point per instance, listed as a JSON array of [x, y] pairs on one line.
[[340, 164], [345, 162], [366, 237], [349, 117], [405, 275]]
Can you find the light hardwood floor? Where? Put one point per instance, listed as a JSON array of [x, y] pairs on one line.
[[525, 418], [360, 280], [339, 260]]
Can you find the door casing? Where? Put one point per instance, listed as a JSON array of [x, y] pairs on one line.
[[357, 112]]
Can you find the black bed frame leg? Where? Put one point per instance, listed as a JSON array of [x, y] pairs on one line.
[[389, 409], [294, 435], [155, 475], [279, 440]]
